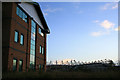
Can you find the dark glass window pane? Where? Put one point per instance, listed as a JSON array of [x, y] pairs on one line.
[[40, 67], [40, 49], [32, 30], [17, 11], [16, 36], [14, 64], [32, 48], [39, 31], [32, 42], [21, 14], [33, 36], [31, 57], [21, 39], [31, 51], [25, 18], [20, 65], [31, 65], [32, 23]]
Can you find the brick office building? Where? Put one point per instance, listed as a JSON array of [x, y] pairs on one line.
[[24, 33]]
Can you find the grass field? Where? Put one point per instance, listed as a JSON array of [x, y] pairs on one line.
[[110, 75]]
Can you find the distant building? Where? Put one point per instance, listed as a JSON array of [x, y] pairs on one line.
[[24, 33]]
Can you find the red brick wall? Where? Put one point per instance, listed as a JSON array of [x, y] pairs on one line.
[[15, 50], [39, 56]]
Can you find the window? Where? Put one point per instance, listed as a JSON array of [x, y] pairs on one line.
[[41, 67], [25, 17], [21, 14], [39, 31], [17, 11], [32, 45], [40, 49], [14, 64], [42, 34], [32, 65], [20, 65], [16, 36], [21, 39]]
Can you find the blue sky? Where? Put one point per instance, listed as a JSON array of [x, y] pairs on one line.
[[84, 31]]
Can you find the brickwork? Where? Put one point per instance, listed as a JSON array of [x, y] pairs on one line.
[[12, 49]]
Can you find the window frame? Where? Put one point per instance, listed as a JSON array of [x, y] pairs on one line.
[[15, 36], [17, 10], [40, 49], [16, 64], [21, 65], [22, 14], [33, 44], [43, 50], [39, 30], [39, 67], [22, 39]]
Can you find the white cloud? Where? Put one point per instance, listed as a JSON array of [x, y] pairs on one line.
[[99, 33], [96, 21], [53, 9], [108, 27], [111, 6], [106, 6], [115, 6], [107, 24]]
